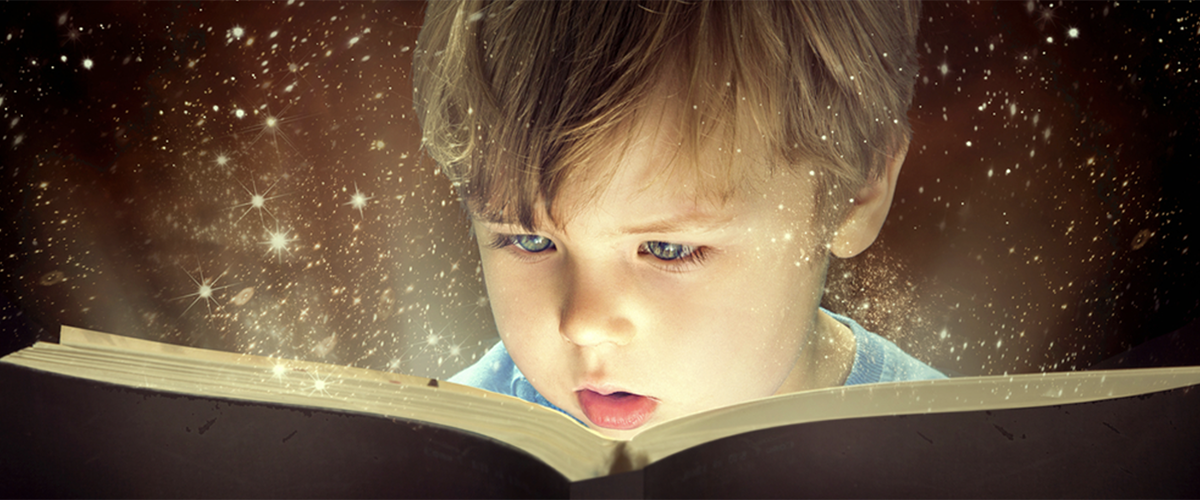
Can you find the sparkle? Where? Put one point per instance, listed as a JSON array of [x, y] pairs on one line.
[[204, 291], [273, 125], [278, 371], [455, 351], [1045, 16], [358, 200], [258, 201], [87, 63], [1073, 33], [296, 70], [318, 384], [278, 242]]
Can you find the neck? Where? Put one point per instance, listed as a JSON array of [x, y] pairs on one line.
[[826, 359]]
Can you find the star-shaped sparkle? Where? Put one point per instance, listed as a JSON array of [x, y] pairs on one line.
[[358, 200], [258, 201], [278, 242], [205, 289]]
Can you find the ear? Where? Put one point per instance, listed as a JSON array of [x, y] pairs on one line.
[[862, 224]]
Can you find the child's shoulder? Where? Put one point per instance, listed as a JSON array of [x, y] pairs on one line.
[[496, 372], [877, 359]]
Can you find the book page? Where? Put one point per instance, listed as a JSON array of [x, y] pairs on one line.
[[575, 451], [902, 398]]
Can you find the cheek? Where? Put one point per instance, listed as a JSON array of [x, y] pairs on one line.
[[757, 319], [518, 299], [504, 293]]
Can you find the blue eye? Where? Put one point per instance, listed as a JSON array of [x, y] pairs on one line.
[[531, 243], [668, 251]]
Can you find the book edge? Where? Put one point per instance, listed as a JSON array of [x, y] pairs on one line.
[[903, 398], [558, 454]]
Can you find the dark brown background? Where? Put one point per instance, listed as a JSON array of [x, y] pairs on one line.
[[1042, 220]]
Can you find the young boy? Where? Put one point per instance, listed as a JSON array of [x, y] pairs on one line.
[[656, 189]]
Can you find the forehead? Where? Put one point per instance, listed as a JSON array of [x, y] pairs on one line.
[[650, 158], [651, 187], [655, 157]]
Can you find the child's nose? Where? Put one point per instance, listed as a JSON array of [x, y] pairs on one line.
[[592, 312]]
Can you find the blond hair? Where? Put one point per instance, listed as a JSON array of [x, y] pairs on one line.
[[515, 98]]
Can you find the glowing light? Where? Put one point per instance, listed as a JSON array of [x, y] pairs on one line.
[[204, 291], [318, 384], [278, 371], [273, 125], [87, 64], [358, 200], [1045, 16], [278, 241], [258, 201], [1073, 33]]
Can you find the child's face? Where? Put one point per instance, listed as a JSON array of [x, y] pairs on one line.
[[613, 302]]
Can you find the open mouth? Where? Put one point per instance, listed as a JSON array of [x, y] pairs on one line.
[[618, 411]]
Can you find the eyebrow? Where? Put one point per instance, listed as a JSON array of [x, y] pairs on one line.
[[690, 221], [493, 219], [685, 222]]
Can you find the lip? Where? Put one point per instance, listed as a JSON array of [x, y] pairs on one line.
[[617, 410]]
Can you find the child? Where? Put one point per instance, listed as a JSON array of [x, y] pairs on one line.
[[657, 187]]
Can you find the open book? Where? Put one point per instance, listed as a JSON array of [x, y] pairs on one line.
[[537, 442]]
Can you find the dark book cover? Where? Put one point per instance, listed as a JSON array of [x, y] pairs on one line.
[[69, 437]]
